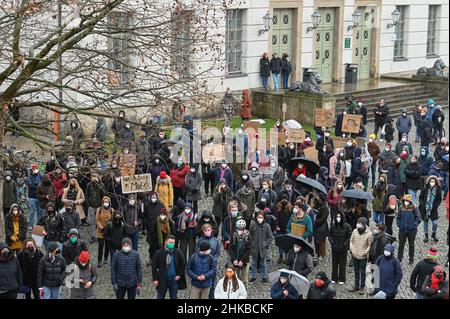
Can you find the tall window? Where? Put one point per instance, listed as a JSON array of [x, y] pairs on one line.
[[399, 43], [181, 42], [234, 41], [432, 25], [119, 44]]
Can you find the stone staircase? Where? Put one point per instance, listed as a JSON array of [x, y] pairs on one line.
[[397, 97]]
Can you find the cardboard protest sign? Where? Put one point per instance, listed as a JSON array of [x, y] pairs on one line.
[[298, 229], [213, 153], [252, 124], [296, 135], [38, 235], [312, 154], [351, 123], [324, 118], [339, 142], [136, 183], [127, 164]]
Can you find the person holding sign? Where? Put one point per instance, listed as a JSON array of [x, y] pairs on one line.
[[300, 223]]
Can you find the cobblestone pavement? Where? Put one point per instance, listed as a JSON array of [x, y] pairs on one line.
[[257, 290]]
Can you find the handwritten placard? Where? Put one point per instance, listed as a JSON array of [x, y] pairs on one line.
[[213, 153], [339, 142], [324, 118], [136, 183], [296, 135], [312, 154]]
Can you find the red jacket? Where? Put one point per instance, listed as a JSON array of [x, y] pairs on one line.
[[178, 176], [59, 183], [297, 171]]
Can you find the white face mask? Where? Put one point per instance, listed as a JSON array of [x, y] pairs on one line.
[[132, 202], [234, 213], [359, 226], [157, 161], [295, 210], [283, 280], [163, 217], [154, 199], [393, 206], [244, 177], [296, 249], [126, 249], [349, 144], [342, 154], [8, 178], [15, 211], [404, 139], [327, 134], [35, 171], [406, 203], [117, 179], [192, 170], [266, 187], [187, 211], [260, 220], [338, 219], [387, 253], [224, 166], [308, 139], [273, 164], [387, 149], [376, 231], [432, 183], [240, 232], [288, 187], [370, 140], [106, 205], [254, 169], [206, 252], [161, 135], [83, 264]]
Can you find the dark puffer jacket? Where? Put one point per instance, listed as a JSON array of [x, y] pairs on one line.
[[408, 219], [412, 173], [10, 272], [323, 292], [433, 214], [320, 222], [29, 263], [201, 265], [420, 272], [126, 269], [53, 226], [239, 248], [51, 273], [339, 235], [71, 251]]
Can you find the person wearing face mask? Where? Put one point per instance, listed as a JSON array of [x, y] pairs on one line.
[[74, 196], [360, 242], [15, 228], [307, 142], [438, 119], [337, 166], [9, 192], [299, 260], [390, 213], [156, 166], [261, 238], [403, 124], [223, 172], [429, 201], [321, 288], [230, 286], [380, 240], [246, 195], [323, 141], [380, 194], [417, 121], [334, 197], [339, 121], [10, 273], [288, 191], [53, 224], [101, 130], [76, 133], [426, 129], [422, 269], [299, 170], [102, 217], [426, 162], [207, 218], [221, 199], [214, 246], [161, 228], [73, 246], [126, 271], [32, 182], [155, 142], [208, 177], [413, 182], [388, 130], [229, 223], [439, 171], [374, 151], [274, 173], [282, 289], [88, 276], [51, 272], [405, 159], [201, 269], [435, 285], [324, 178], [115, 231], [282, 213], [408, 220], [441, 149], [72, 166], [95, 190], [132, 215], [178, 176], [70, 217], [193, 186], [114, 192], [168, 269], [29, 259], [268, 193], [339, 238], [403, 144], [164, 188], [381, 112], [185, 230], [126, 137], [303, 222], [391, 273]]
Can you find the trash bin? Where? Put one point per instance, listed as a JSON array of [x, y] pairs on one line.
[[351, 73]]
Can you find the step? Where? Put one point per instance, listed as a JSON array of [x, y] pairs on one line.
[[386, 96], [393, 99], [380, 90], [400, 103]]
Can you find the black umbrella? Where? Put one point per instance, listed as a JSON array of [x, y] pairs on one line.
[[357, 194], [311, 183], [287, 242], [311, 166]]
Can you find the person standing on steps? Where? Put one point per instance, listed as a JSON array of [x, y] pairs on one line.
[[286, 70], [275, 68], [264, 70], [381, 112]]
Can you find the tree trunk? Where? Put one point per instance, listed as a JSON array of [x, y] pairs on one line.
[[2, 218]]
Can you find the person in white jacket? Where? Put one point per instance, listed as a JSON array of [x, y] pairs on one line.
[[230, 287]]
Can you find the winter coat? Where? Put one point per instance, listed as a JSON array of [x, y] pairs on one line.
[[79, 200], [221, 200], [29, 264], [403, 124], [352, 218], [400, 146], [426, 163], [178, 176], [239, 293], [338, 126], [130, 215], [381, 118], [426, 133], [71, 220], [10, 273], [142, 152], [87, 273], [32, 182], [51, 273], [115, 233], [321, 222], [339, 235], [380, 195], [431, 293], [114, 191], [264, 67], [412, 173], [379, 241], [193, 186], [240, 248], [126, 269], [360, 243], [276, 292], [165, 192], [324, 292], [102, 217], [9, 228], [201, 265], [159, 268], [261, 237], [212, 222], [228, 176], [419, 274], [247, 197], [374, 150], [433, 214], [71, 251], [54, 227], [301, 262], [101, 131], [94, 194], [45, 190], [391, 274], [339, 174], [275, 65], [438, 118], [286, 66], [408, 219], [402, 169], [393, 175], [9, 192]]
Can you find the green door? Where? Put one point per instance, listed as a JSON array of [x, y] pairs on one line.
[[324, 44], [363, 42], [282, 32]]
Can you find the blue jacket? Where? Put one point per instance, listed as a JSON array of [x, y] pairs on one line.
[[408, 219], [440, 173], [126, 269], [228, 176], [356, 163], [425, 162], [391, 273], [33, 182], [213, 243], [201, 265], [403, 124], [276, 292]]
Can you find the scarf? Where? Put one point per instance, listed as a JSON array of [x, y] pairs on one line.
[[435, 281], [337, 170], [187, 221], [163, 230], [431, 195]]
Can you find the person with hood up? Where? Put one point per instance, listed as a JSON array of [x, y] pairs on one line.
[[239, 250], [95, 190], [390, 213], [151, 208], [51, 272], [391, 273], [403, 144], [412, 173], [429, 201], [282, 289], [9, 192], [73, 246], [247, 196], [405, 159], [299, 260], [193, 186], [321, 288], [142, 153], [325, 155], [403, 124], [302, 219], [380, 194], [261, 237], [282, 213], [339, 238], [202, 270], [10, 273], [221, 199], [307, 142], [422, 270], [360, 242], [84, 288], [178, 177], [74, 195], [385, 159], [53, 223], [177, 210], [337, 166], [115, 231], [207, 218], [156, 166], [70, 217], [103, 215], [393, 175], [126, 271], [324, 178], [426, 162], [408, 220], [435, 285], [230, 286], [379, 241], [32, 182], [29, 259], [132, 215], [274, 173], [268, 193], [438, 170], [15, 228], [288, 191], [381, 112], [214, 244], [441, 149], [223, 172], [255, 176], [185, 230], [438, 119], [164, 188]]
